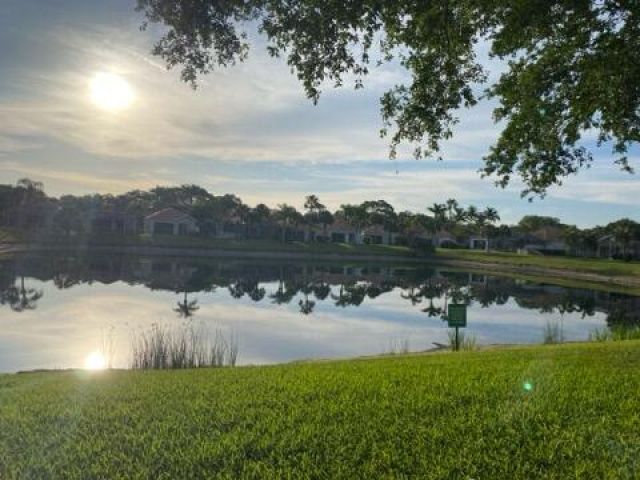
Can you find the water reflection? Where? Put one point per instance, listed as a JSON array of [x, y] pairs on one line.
[[349, 309], [20, 297]]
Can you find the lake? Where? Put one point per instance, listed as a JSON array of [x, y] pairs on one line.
[[56, 310]]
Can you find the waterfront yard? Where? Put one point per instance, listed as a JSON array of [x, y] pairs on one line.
[[567, 411], [584, 265]]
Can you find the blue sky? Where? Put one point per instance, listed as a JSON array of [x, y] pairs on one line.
[[247, 130]]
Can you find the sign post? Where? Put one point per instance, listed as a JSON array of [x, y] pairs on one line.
[[457, 318]]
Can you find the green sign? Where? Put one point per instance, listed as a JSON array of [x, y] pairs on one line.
[[457, 315]]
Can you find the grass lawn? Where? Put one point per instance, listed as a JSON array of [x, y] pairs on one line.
[[588, 265], [253, 245], [446, 416], [12, 236], [9, 236]]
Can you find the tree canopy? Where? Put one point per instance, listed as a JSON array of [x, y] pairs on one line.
[[571, 67]]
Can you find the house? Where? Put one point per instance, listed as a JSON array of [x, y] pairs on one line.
[[546, 240], [114, 221], [445, 239], [170, 221], [378, 235], [416, 236], [479, 243], [610, 247], [338, 232]]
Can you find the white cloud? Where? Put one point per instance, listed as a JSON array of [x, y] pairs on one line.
[[248, 112], [252, 111], [620, 192], [67, 180]]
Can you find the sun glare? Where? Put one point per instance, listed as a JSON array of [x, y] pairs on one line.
[[95, 361], [110, 91]]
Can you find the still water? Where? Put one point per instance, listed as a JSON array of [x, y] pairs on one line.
[[57, 310]]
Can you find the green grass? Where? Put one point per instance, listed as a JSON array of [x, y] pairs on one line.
[[446, 416], [115, 240], [617, 334], [586, 265], [8, 235], [253, 245]]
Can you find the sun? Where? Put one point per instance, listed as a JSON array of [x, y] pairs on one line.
[[95, 361], [110, 91]]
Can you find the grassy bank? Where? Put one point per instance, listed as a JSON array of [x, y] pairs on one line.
[[568, 271], [566, 411], [585, 265], [10, 236], [171, 241]]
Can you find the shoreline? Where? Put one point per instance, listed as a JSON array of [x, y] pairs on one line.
[[628, 283], [437, 349]]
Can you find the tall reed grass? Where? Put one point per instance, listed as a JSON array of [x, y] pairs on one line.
[[615, 334], [553, 333], [466, 341], [187, 346], [107, 345], [397, 346]]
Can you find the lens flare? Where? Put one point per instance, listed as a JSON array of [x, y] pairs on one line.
[[95, 361]]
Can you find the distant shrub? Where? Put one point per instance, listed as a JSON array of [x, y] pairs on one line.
[[452, 246]]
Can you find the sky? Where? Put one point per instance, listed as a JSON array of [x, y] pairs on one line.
[[247, 129]]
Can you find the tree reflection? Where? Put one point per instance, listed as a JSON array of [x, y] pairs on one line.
[[427, 290], [350, 295], [20, 298], [321, 290], [284, 294], [306, 305], [414, 294], [187, 308]]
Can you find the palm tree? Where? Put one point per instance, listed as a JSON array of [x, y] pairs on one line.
[[491, 214], [260, 215], [313, 205], [459, 216], [354, 215], [314, 208], [439, 211], [288, 216], [472, 213], [243, 212]]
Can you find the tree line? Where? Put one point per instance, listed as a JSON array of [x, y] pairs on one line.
[[26, 206]]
